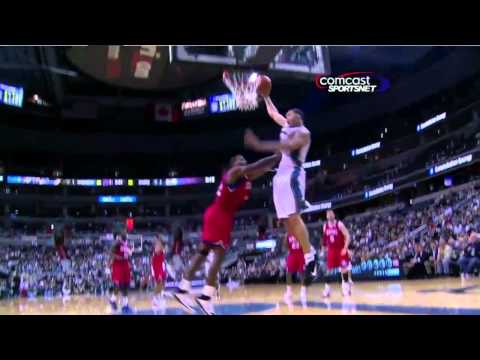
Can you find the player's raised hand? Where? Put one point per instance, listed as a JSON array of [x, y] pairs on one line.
[[250, 140]]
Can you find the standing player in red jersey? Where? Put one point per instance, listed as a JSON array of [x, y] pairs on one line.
[[234, 190], [337, 238], [121, 252], [159, 272], [295, 264]]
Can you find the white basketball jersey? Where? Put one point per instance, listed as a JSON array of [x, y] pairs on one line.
[[296, 158]]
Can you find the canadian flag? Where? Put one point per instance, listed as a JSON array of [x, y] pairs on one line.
[[113, 62]]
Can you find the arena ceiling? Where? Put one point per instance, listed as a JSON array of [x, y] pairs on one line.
[[57, 73], [69, 81]]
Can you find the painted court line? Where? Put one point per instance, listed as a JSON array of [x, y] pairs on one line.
[[397, 309]]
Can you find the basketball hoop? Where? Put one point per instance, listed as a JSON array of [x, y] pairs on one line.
[[243, 86]]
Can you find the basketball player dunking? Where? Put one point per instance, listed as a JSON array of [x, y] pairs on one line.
[[234, 190], [337, 238], [289, 182]]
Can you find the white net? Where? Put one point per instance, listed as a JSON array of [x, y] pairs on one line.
[[243, 86]]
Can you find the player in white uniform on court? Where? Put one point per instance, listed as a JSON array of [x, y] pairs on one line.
[[289, 182]]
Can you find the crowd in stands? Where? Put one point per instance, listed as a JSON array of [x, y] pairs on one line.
[[436, 239], [428, 239], [449, 149], [368, 173]]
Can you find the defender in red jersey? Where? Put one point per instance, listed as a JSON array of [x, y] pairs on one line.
[[234, 190], [295, 265], [336, 239], [159, 272], [120, 255]]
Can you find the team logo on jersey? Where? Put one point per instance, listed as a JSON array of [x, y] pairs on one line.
[[353, 82]]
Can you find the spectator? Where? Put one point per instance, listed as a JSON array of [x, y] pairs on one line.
[[418, 264], [446, 258], [470, 259]]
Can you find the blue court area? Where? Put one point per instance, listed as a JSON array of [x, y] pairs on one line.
[[393, 309], [220, 309]]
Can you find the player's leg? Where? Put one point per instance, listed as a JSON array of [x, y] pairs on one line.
[[158, 299], [113, 297], [303, 287], [297, 185], [157, 292], [350, 281], [205, 300], [197, 261], [288, 293], [289, 276], [346, 268], [124, 292], [332, 263], [124, 285], [296, 224], [346, 290], [115, 290], [182, 295], [327, 291]]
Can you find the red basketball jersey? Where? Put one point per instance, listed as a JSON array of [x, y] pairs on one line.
[[294, 246], [121, 250], [218, 218], [158, 262], [232, 197], [333, 236]]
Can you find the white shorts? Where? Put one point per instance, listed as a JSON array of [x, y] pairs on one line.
[[289, 192]]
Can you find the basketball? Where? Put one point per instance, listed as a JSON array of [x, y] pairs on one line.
[[264, 86]]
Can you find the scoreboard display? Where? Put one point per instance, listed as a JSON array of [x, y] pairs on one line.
[[11, 95], [222, 103], [302, 61]]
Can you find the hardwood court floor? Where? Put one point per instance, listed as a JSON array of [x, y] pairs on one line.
[[438, 296]]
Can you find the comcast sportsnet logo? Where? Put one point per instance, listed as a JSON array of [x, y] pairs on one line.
[[353, 82]]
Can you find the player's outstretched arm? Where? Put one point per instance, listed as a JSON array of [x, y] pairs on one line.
[[273, 112], [296, 141], [260, 167], [253, 171]]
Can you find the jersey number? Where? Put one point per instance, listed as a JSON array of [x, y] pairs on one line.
[[295, 244], [332, 239]]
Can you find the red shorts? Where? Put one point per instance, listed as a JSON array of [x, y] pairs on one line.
[[159, 276], [217, 226], [335, 259], [295, 263], [121, 273]]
